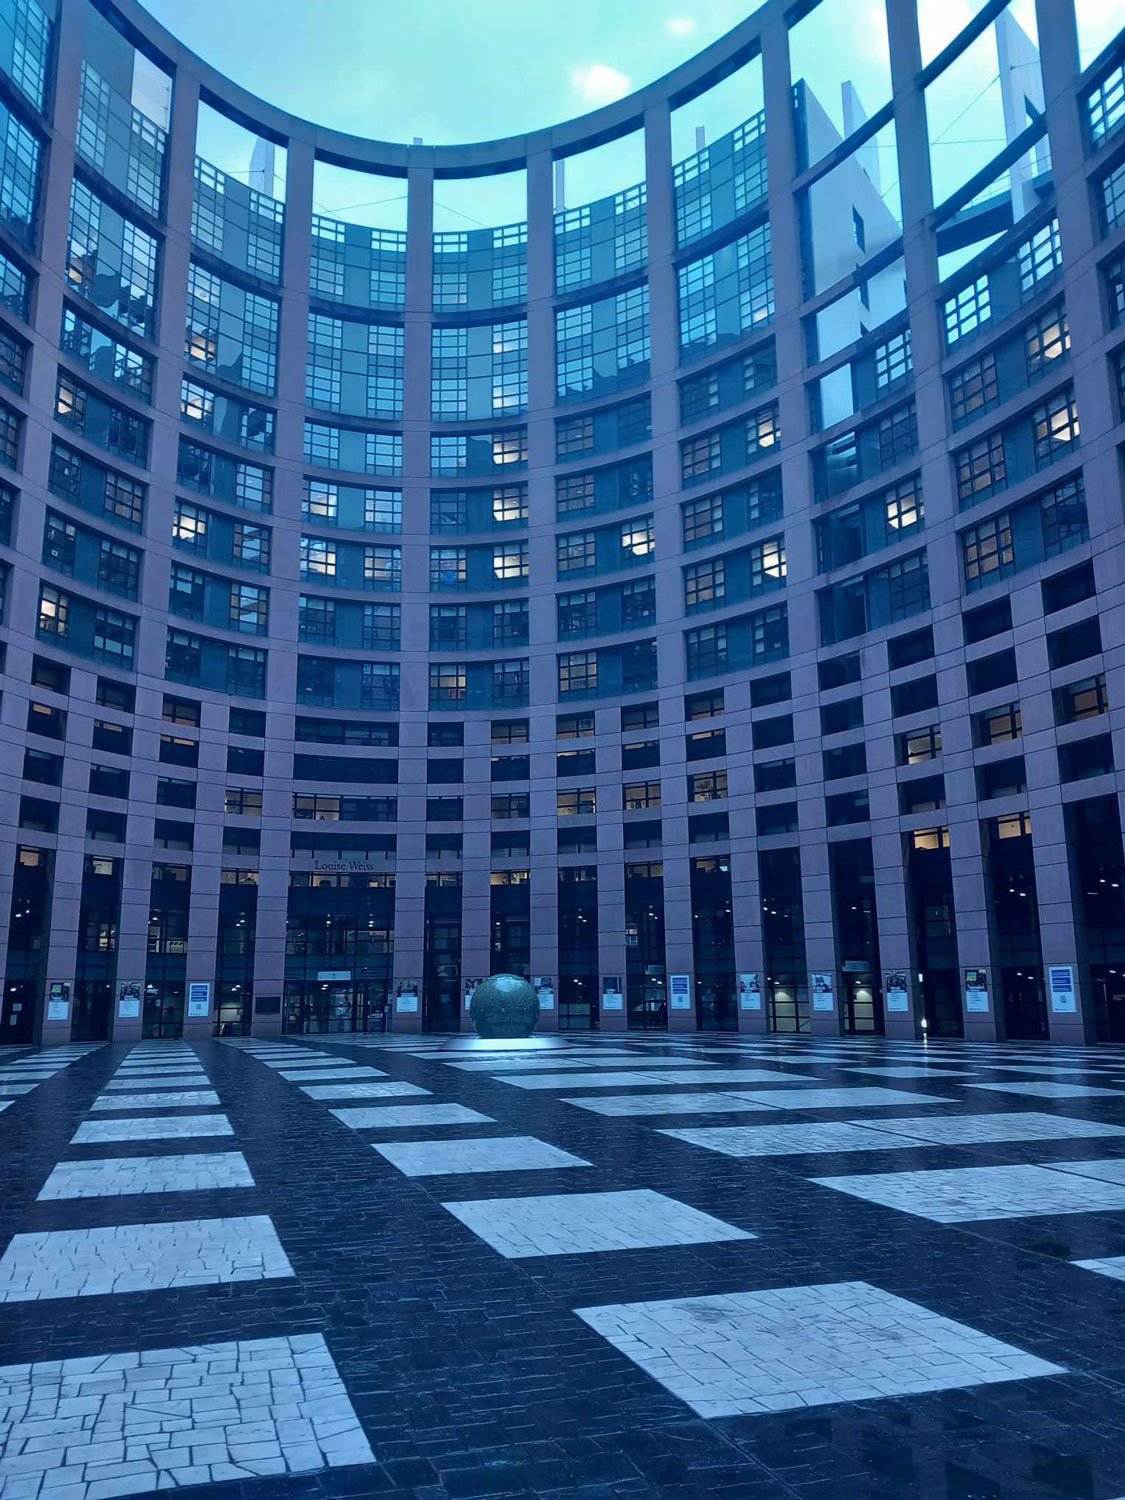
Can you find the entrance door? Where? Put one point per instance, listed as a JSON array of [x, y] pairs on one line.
[[93, 1006], [1109, 1003], [17, 1014], [863, 1005], [941, 1003], [1025, 1008], [647, 1002], [578, 1002]]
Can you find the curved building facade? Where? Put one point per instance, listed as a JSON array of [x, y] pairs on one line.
[[706, 600]]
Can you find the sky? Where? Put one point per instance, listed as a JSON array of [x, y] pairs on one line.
[[450, 71]]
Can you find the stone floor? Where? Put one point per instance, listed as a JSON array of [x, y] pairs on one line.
[[428, 1269]]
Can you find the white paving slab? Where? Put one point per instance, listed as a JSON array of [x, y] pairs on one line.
[[531, 1064], [1050, 1090], [402, 1116], [140, 1258], [185, 1099], [16, 1088], [791, 1140], [972, 1130], [127, 1424], [667, 1104], [117, 1176], [305, 1075], [389, 1090], [1108, 1265], [504, 1153], [585, 1223], [618, 1080], [960, 1195], [161, 1128], [159, 1081], [904, 1070], [795, 1347], [858, 1097], [313, 1062]]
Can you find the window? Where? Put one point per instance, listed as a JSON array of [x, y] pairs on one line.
[[509, 562], [987, 552], [1086, 699], [382, 568], [576, 553], [703, 521], [251, 547], [893, 361], [1062, 513], [919, 745], [707, 786], [897, 436], [576, 802], [248, 608], [903, 509], [973, 390], [966, 310], [700, 456], [578, 672], [449, 568], [1045, 340], [998, 726], [242, 801], [704, 585], [448, 685], [981, 470], [706, 651], [1055, 427], [574, 726], [638, 541], [381, 627]]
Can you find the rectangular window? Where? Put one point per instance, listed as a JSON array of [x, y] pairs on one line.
[[987, 552], [982, 469], [973, 390], [1055, 428]]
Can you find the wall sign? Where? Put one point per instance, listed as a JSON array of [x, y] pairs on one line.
[[976, 992], [334, 974], [749, 992], [267, 1005], [545, 990], [679, 990], [896, 996], [470, 991], [1060, 983], [58, 1001], [613, 997], [823, 991], [198, 1001], [129, 1000]]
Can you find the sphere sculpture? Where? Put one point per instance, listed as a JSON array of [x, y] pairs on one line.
[[504, 1006]]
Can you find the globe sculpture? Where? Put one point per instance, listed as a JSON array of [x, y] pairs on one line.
[[504, 1005]]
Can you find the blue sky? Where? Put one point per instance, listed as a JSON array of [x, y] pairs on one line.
[[450, 71], [445, 71]]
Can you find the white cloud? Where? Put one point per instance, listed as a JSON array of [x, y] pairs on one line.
[[679, 26], [598, 83]]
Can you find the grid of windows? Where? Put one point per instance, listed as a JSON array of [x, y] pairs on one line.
[[479, 371], [119, 141], [353, 451], [25, 47], [721, 182], [726, 294], [237, 223], [111, 261], [231, 332], [354, 368], [601, 240], [107, 358], [602, 346], [19, 177], [355, 264]]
